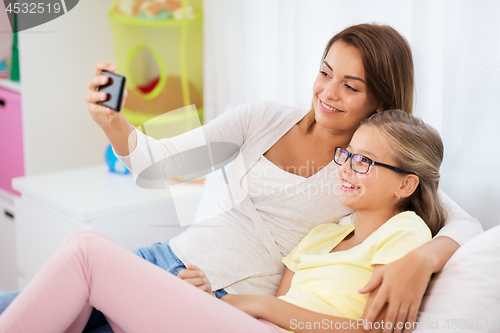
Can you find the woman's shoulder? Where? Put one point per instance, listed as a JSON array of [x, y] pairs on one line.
[[267, 116], [256, 115], [270, 108]]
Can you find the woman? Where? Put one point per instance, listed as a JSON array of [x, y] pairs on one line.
[[365, 68], [318, 289]]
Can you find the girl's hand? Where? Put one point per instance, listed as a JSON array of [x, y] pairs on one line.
[[251, 304], [196, 277], [402, 285], [101, 114]]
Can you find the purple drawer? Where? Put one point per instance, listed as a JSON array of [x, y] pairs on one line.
[[11, 139]]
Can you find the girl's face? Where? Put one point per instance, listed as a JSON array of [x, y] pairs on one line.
[[378, 189], [340, 95]]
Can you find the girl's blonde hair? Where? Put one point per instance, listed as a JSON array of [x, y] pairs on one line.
[[388, 65], [416, 147]]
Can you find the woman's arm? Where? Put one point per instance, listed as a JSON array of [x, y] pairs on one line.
[[192, 152], [137, 151], [460, 226], [403, 283]]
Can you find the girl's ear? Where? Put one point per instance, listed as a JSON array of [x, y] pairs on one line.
[[379, 109], [408, 186]]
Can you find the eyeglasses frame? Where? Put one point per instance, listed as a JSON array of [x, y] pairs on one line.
[[372, 162]]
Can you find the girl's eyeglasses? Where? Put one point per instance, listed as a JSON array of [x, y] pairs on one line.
[[360, 163]]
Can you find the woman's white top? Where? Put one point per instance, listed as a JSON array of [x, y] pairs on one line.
[[237, 244], [266, 179]]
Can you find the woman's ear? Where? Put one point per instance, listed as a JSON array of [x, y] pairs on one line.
[[408, 186]]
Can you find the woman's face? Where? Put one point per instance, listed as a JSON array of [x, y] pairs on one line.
[[340, 94], [378, 188]]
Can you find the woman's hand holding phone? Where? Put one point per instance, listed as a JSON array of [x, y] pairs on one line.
[[101, 114], [120, 132]]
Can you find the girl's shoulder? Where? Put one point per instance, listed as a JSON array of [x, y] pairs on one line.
[[404, 224], [399, 235], [407, 218]]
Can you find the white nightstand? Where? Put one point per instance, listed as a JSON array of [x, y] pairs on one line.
[[55, 205], [8, 264]]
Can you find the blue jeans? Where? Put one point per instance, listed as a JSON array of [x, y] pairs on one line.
[[159, 254]]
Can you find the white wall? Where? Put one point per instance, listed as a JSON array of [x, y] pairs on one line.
[[57, 60], [263, 49]]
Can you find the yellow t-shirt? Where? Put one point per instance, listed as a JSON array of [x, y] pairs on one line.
[[328, 282]]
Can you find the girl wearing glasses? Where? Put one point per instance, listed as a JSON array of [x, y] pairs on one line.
[[365, 69], [389, 175]]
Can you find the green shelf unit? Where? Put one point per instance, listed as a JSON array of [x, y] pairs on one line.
[[174, 49]]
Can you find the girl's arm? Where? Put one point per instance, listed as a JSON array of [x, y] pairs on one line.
[[195, 276], [403, 283], [286, 281], [295, 318]]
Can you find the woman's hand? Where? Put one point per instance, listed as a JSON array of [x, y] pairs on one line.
[[251, 304], [403, 282], [120, 132], [101, 114], [196, 277], [402, 285]]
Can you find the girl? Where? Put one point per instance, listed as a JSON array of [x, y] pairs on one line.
[[365, 68], [390, 176]]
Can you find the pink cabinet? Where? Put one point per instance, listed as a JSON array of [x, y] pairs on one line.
[[11, 139]]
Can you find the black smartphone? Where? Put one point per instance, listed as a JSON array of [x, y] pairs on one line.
[[114, 88]]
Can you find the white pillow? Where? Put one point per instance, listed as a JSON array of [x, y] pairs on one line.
[[465, 295]]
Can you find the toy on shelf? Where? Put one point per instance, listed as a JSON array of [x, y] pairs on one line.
[[154, 9]]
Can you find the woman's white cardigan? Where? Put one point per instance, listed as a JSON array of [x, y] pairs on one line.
[[234, 245]]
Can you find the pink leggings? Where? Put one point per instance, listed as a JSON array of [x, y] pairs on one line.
[[89, 269]]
